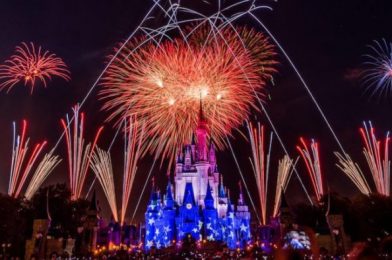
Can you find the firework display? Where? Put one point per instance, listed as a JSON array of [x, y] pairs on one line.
[[260, 164], [377, 74], [312, 161], [192, 79], [78, 153], [377, 158], [29, 65], [43, 170], [132, 151], [164, 84], [353, 171], [102, 167], [285, 170], [20, 169]]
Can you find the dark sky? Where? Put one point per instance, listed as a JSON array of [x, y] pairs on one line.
[[325, 39]]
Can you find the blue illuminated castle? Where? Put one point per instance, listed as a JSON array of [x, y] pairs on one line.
[[198, 205]]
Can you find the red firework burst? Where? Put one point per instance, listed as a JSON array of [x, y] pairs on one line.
[[163, 85], [30, 64]]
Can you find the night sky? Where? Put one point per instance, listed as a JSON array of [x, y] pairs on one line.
[[325, 39]]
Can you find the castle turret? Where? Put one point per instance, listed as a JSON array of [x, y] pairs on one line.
[[222, 199], [168, 218], [169, 201], [193, 147], [243, 219], [212, 157], [151, 217], [209, 200], [222, 192], [230, 230], [241, 200], [188, 157], [210, 216]]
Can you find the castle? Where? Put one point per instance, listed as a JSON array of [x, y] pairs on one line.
[[198, 205]]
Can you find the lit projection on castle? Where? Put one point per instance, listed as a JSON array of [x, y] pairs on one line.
[[200, 206]]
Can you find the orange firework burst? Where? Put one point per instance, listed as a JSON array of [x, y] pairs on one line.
[[29, 65], [164, 84]]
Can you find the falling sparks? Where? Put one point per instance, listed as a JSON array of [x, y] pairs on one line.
[[30, 64], [285, 170], [79, 155], [260, 163], [377, 160], [163, 83], [20, 169], [132, 150], [353, 171], [44, 168], [102, 167], [312, 161]]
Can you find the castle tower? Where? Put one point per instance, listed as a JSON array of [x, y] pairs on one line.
[[243, 219], [210, 216], [151, 217], [230, 228], [200, 206], [202, 164], [195, 164], [212, 157], [193, 146], [168, 217], [222, 199]]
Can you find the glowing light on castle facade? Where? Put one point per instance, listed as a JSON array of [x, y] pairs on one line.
[[198, 205]]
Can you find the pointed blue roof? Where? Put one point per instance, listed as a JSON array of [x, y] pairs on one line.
[[208, 193], [209, 200], [154, 198], [169, 195], [229, 207], [188, 194], [222, 193]]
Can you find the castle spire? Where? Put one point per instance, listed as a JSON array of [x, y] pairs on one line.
[[241, 198], [188, 156], [212, 155], [201, 132], [169, 201], [189, 197], [208, 193], [209, 200], [153, 196], [193, 141], [222, 193], [201, 115]]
